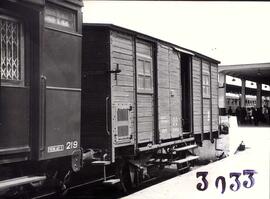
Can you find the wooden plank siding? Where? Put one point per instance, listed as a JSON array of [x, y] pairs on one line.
[[206, 102], [197, 93], [122, 84], [205, 109], [214, 85], [145, 99], [163, 92], [145, 118], [175, 94], [169, 94]]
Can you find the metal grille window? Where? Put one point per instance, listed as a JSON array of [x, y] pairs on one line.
[[123, 122], [206, 85], [144, 75], [11, 53]]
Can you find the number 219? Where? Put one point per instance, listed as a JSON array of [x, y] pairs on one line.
[[71, 145]]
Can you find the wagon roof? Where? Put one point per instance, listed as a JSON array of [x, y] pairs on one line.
[[150, 38]]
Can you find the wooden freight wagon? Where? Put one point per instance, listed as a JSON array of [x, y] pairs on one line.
[[145, 100]]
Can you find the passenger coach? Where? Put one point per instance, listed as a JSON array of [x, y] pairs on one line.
[[40, 90]]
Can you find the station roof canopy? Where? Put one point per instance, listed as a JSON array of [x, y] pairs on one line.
[[249, 91], [259, 72]]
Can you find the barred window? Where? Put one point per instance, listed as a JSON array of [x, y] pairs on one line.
[[144, 75], [11, 42], [206, 85]]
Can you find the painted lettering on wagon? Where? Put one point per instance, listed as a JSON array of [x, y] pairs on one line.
[[58, 148], [221, 180]]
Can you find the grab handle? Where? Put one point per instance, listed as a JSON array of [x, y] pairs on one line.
[[43, 84], [107, 115]]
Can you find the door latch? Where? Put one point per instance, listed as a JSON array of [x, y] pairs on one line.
[[116, 71]]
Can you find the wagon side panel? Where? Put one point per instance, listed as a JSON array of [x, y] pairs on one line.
[[214, 85], [206, 97], [122, 89], [163, 92], [175, 94], [197, 95], [145, 91]]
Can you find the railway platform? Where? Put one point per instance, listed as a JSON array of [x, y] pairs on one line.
[[243, 174]]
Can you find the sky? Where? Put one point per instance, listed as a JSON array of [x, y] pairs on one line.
[[231, 32]]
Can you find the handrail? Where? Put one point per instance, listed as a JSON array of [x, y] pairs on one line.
[[43, 83], [107, 117]]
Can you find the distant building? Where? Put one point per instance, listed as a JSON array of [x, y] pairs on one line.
[[245, 85]]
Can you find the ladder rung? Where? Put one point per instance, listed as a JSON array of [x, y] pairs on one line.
[[101, 162], [5, 184], [187, 159], [111, 181], [185, 148]]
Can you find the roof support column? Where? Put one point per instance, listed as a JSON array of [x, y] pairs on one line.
[[222, 90], [243, 93], [259, 95]]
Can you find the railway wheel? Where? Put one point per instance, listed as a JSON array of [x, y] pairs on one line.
[[130, 176]]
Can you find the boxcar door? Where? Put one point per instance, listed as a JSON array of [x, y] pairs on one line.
[[14, 99], [175, 94], [169, 94], [163, 92], [206, 92], [145, 95]]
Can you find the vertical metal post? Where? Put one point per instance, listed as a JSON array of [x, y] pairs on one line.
[[202, 121], [155, 81], [211, 103], [104, 172], [191, 95], [135, 92], [259, 95], [243, 93]]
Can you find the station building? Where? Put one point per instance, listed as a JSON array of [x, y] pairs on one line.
[[244, 85]]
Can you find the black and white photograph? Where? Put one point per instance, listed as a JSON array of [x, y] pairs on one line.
[[134, 99]]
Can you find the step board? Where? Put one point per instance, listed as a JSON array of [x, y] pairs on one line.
[[183, 168], [165, 144], [185, 147], [101, 163], [5, 184], [111, 182], [187, 159]]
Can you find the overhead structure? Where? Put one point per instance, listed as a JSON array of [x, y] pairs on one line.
[[258, 72]]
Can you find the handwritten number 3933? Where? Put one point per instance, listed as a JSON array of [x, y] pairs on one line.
[[220, 180]]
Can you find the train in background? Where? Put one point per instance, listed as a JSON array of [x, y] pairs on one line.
[[82, 103], [234, 100]]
